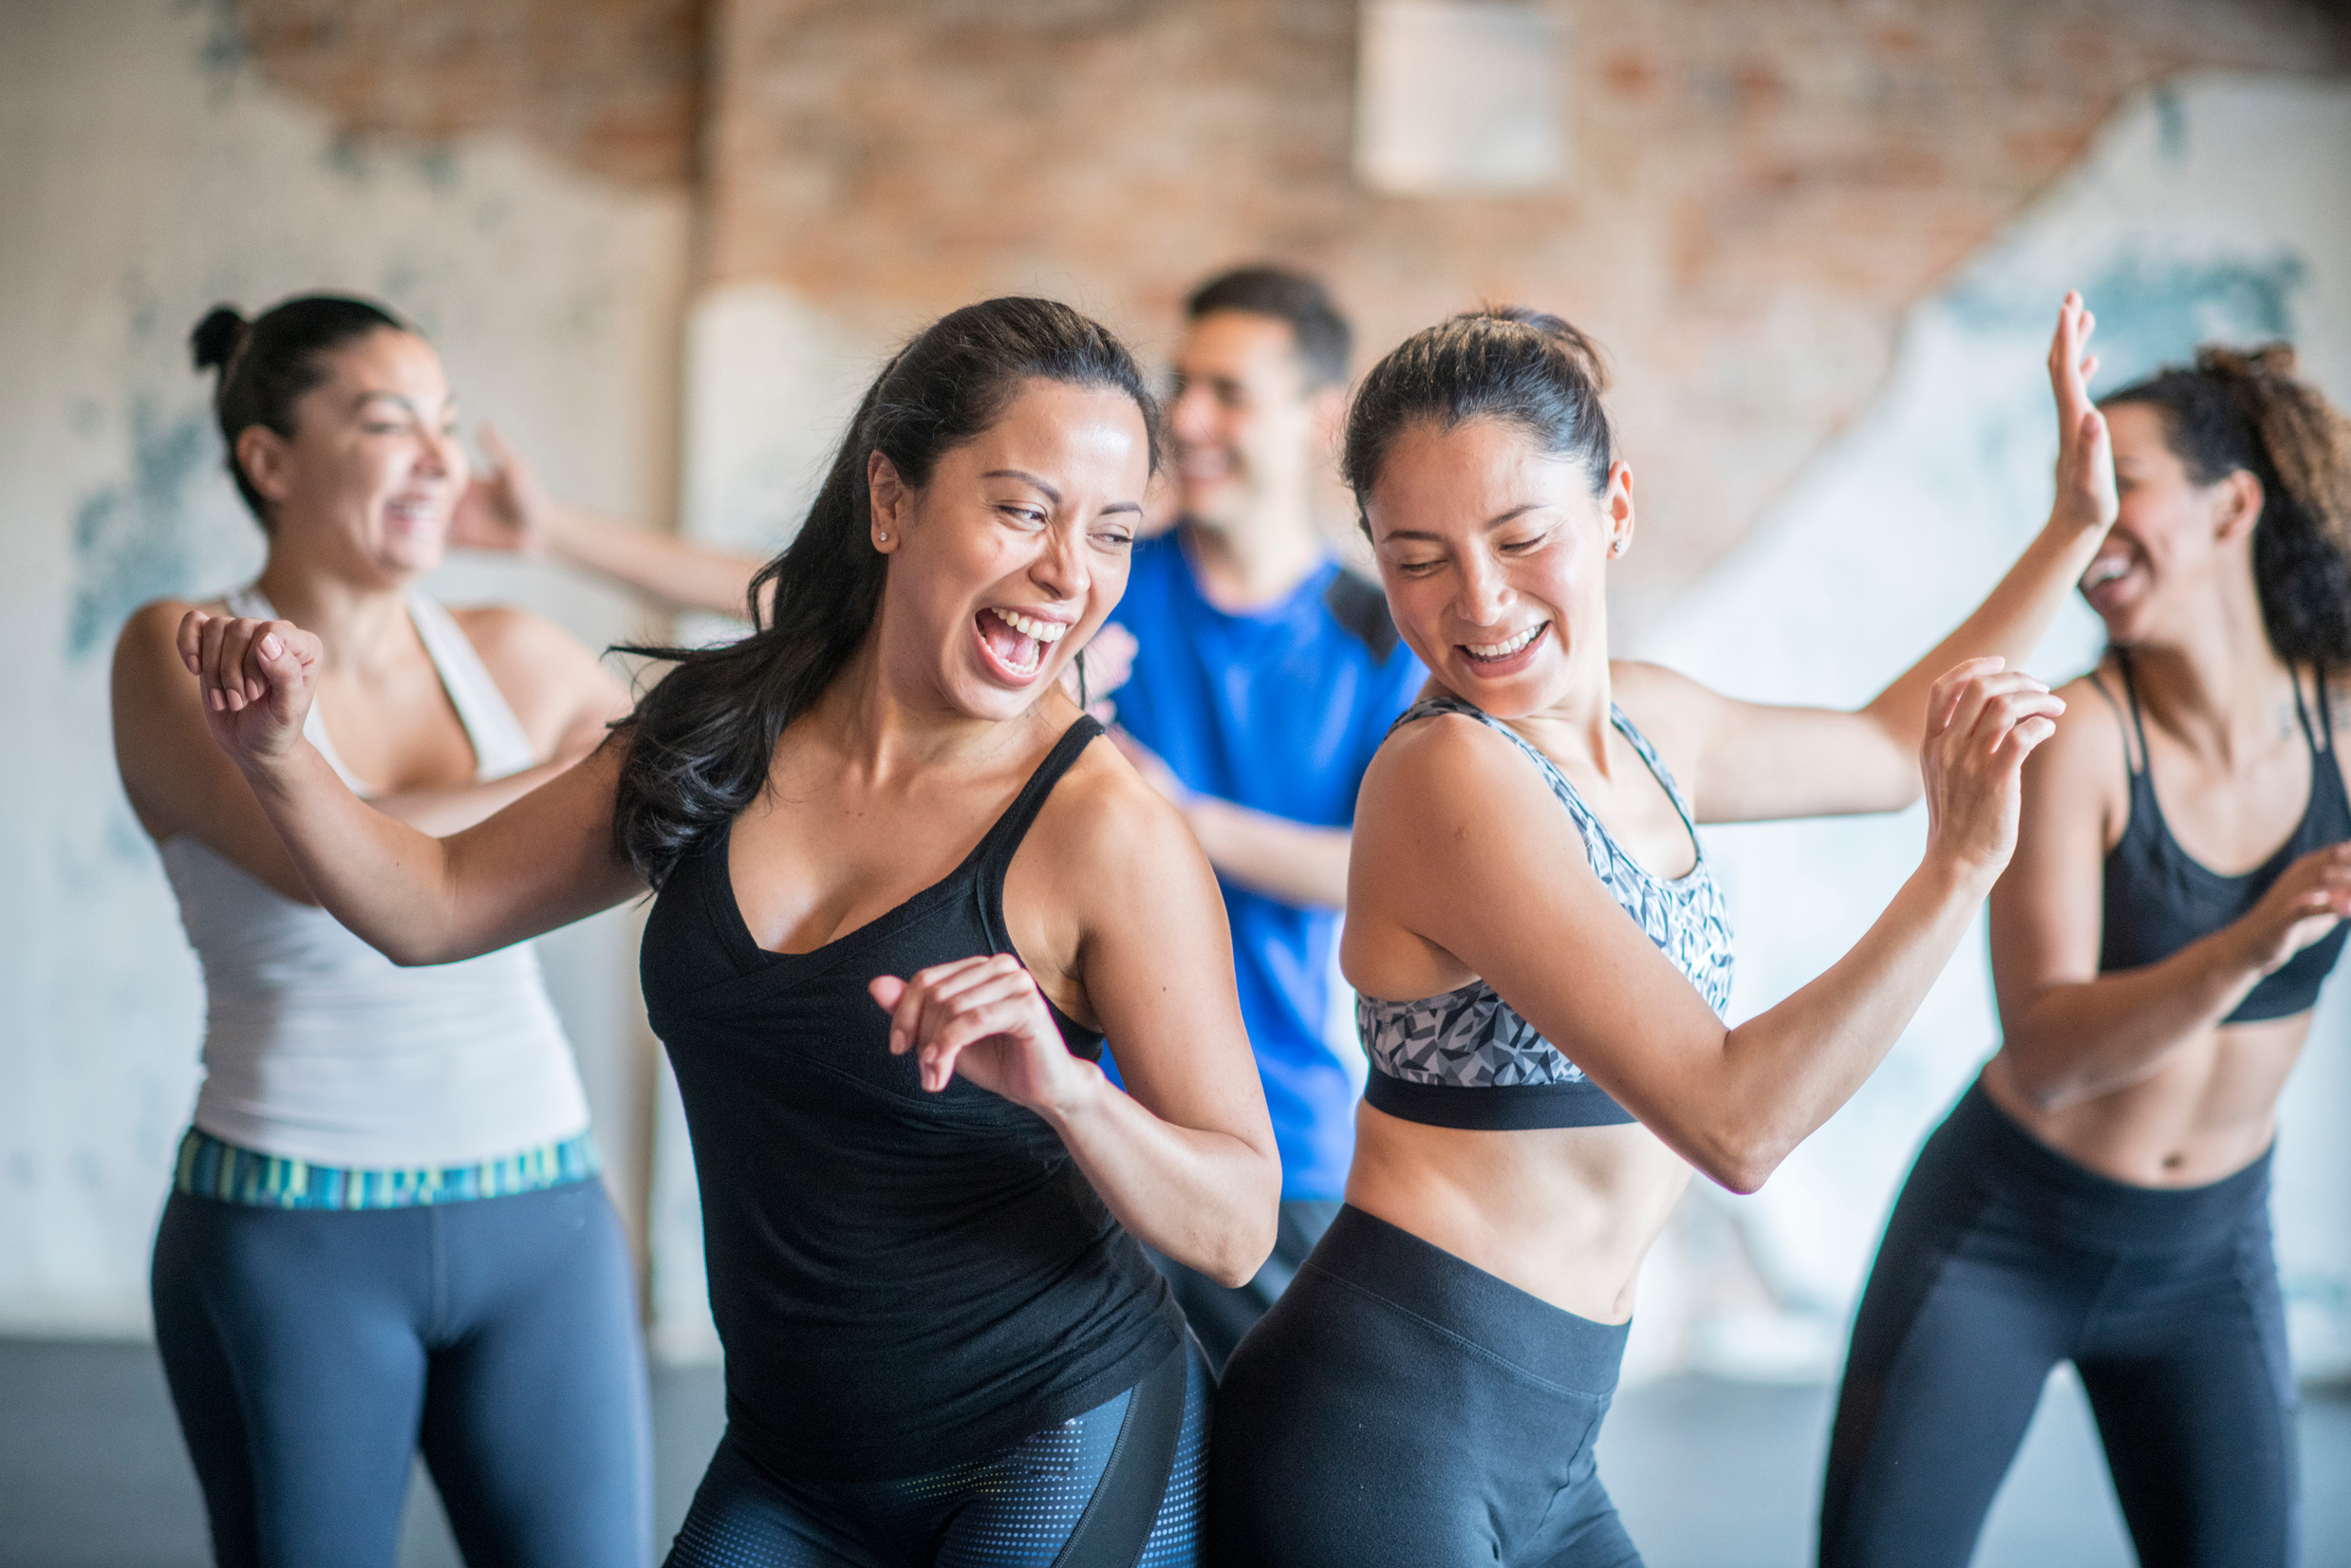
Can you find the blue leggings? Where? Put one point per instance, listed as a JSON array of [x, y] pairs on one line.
[[1014, 1509], [2005, 1257], [312, 1353]]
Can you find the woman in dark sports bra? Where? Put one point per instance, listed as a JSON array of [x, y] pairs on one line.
[[2100, 1195], [1542, 957], [902, 899]]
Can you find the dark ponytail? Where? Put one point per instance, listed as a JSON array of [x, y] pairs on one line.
[[2237, 411], [267, 364], [700, 742], [1505, 363]]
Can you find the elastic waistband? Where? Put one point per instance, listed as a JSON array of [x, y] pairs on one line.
[[1429, 1282], [210, 1167], [1992, 1149]]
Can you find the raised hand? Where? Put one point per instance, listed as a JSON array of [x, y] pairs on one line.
[[256, 679], [503, 506], [985, 1019], [2085, 460], [1983, 721], [2311, 899]]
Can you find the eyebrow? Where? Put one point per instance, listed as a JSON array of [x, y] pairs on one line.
[[1494, 522], [366, 398], [1050, 494]]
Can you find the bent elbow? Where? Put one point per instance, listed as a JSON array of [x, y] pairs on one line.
[[1743, 1162]]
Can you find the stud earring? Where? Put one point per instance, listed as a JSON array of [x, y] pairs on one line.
[[884, 536]]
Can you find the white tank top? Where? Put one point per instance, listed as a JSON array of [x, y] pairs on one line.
[[319, 1048]]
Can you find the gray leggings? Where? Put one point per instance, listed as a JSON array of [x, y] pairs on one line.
[[2005, 1257], [312, 1353]]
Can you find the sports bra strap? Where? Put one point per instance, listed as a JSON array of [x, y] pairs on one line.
[[2138, 721], [2309, 731]]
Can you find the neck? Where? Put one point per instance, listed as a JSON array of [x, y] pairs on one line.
[[1258, 562], [2220, 686], [889, 727], [361, 625]]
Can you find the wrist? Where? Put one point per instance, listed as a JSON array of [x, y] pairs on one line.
[[1947, 875], [1078, 1095]]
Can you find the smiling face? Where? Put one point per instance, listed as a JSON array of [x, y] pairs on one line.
[[2153, 577], [1494, 556], [1014, 552], [365, 486], [1244, 418]]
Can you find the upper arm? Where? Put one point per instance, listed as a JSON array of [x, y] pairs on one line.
[[561, 693], [1461, 842], [2047, 911], [1153, 953], [177, 779], [542, 862], [1759, 761]]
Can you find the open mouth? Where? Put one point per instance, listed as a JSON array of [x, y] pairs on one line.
[[1015, 644], [413, 515], [1508, 655], [2098, 582]]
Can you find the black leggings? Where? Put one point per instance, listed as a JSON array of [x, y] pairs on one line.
[[1119, 1485], [2005, 1257], [1400, 1406]]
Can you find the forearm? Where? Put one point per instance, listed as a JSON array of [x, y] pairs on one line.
[[381, 877], [2009, 624], [2076, 1042], [682, 575], [1268, 855], [1208, 1200], [1788, 1070]]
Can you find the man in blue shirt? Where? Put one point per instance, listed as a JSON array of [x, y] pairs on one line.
[[1264, 676]]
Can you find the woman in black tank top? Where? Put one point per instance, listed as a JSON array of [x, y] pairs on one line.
[[2182, 873], [903, 900]]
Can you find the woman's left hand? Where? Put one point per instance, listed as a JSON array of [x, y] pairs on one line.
[[985, 1019], [503, 507]]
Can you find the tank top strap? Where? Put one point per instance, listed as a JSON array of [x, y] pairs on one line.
[[993, 857], [2138, 721], [1656, 765], [2326, 709], [500, 746]]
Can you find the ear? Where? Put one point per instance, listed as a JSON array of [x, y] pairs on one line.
[[263, 456], [1616, 505], [891, 503], [2238, 501]]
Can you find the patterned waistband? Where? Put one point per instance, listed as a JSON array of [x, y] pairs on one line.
[[209, 1167]]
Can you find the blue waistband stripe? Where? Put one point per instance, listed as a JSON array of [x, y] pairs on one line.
[[208, 1168]]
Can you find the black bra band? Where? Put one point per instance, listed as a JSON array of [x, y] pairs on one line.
[[1511, 1108]]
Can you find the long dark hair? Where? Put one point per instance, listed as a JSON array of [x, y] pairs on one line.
[[265, 364], [700, 741], [1525, 368], [2234, 411]]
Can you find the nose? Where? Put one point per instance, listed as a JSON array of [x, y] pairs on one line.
[[1061, 567], [1485, 594], [440, 455]]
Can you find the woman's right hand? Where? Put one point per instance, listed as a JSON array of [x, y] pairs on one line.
[[255, 680], [2086, 497], [2308, 901], [1983, 721]]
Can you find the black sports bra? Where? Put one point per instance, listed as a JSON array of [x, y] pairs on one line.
[[2159, 898]]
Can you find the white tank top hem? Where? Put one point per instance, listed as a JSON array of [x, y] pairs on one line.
[[319, 1048]]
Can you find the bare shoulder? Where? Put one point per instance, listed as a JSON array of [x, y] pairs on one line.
[[509, 636], [1105, 824], [547, 675], [146, 654], [1440, 773], [1666, 706], [2090, 731]]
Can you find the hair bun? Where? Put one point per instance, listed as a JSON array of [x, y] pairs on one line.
[[1568, 339], [217, 337]]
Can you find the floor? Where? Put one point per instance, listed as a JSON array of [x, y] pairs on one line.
[[1708, 1474]]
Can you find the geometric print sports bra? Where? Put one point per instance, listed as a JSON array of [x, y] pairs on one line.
[[1465, 1058]]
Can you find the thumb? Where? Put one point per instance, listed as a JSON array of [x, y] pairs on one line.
[[886, 990]]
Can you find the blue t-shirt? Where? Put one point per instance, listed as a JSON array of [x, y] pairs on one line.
[[1278, 710]]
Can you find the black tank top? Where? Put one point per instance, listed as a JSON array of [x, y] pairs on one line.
[[902, 1280], [2160, 899]]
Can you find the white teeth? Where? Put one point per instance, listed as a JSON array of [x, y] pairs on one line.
[[1504, 649], [2105, 571], [1044, 631]]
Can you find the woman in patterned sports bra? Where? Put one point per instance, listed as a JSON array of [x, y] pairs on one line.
[[2178, 893], [1543, 953]]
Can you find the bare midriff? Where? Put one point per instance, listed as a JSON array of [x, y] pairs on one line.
[[2208, 1112], [1565, 1214]]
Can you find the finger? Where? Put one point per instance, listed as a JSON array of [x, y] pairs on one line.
[[1943, 697], [985, 975], [2018, 742], [905, 1020], [2004, 711], [208, 657], [965, 1031], [189, 641], [229, 669]]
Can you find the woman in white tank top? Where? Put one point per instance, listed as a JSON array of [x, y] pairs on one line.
[[385, 1231]]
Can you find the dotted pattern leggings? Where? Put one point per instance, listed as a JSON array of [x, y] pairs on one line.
[[1014, 1509]]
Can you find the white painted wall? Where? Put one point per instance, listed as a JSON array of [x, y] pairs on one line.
[[145, 172], [2206, 211]]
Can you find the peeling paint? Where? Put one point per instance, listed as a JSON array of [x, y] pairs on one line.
[[132, 540]]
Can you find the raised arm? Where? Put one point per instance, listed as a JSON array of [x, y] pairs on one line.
[[540, 863], [2069, 1033], [1750, 761], [1477, 859], [1184, 1156]]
